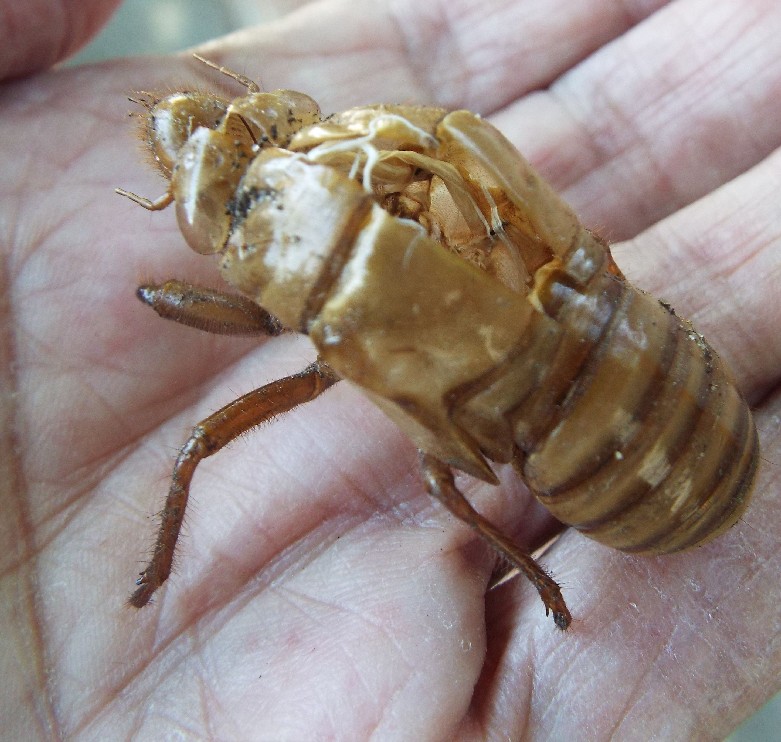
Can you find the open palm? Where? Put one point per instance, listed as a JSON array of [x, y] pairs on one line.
[[319, 593]]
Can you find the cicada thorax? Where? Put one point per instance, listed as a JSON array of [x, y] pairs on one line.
[[440, 169]]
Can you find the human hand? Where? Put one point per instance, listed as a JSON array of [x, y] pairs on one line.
[[320, 593]]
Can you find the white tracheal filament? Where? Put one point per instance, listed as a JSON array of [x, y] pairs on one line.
[[365, 145]]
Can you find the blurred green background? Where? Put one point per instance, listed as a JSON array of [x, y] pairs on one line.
[[155, 26]]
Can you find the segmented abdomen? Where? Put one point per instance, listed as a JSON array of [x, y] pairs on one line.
[[650, 448]]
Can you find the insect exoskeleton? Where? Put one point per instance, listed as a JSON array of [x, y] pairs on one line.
[[433, 268]]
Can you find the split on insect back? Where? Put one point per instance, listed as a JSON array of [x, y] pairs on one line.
[[434, 269]]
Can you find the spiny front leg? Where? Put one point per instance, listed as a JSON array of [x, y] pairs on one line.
[[208, 437], [208, 309], [440, 484]]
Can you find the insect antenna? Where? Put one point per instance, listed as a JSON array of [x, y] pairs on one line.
[[251, 85]]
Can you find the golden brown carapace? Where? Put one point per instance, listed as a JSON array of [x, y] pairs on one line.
[[433, 268]]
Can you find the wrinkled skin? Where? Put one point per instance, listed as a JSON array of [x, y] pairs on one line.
[[319, 592]]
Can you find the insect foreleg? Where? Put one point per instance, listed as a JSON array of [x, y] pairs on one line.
[[440, 484], [208, 309], [208, 437], [160, 203]]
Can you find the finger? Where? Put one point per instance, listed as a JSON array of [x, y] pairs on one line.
[[463, 53], [34, 35], [670, 110], [718, 263], [264, 12]]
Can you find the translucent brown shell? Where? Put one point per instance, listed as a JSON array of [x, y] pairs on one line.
[[433, 268]]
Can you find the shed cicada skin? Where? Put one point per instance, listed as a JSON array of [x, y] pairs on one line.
[[433, 268]]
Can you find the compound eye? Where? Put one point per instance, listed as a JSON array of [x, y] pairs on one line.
[[173, 120]]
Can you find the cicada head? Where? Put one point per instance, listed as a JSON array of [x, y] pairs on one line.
[[170, 120], [204, 145]]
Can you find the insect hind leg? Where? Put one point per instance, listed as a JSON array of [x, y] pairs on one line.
[[440, 484]]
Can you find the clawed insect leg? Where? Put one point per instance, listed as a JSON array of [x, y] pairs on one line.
[[440, 484], [208, 309], [208, 437], [160, 203]]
